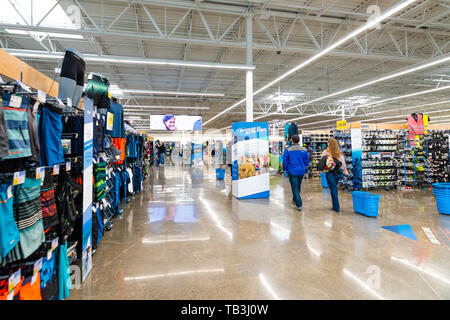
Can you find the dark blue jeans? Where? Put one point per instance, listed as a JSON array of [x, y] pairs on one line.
[[296, 185], [333, 181]]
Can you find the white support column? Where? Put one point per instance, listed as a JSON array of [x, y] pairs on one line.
[[249, 73]]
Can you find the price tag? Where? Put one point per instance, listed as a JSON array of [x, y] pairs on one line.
[[341, 125], [10, 295], [14, 280], [15, 101], [19, 177], [54, 244], [42, 97], [56, 169], [109, 121], [68, 166], [49, 254], [9, 192], [36, 269], [39, 172], [117, 157], [11, 284], [69, 102]]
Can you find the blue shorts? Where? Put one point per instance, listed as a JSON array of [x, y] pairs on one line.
[[9, 233], [50, 133]]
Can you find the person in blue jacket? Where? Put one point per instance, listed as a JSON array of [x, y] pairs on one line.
[[295, 161]]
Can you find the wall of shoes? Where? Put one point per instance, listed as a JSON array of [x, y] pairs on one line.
[[315, 143], [378, 159], [437, 150]]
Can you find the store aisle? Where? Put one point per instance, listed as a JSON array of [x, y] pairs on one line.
[[185, 237]]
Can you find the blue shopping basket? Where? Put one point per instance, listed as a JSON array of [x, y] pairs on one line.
[[366, 203], [220, 174], [442, 193]]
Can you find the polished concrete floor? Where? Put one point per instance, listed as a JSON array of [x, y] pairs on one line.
[[186, 237]]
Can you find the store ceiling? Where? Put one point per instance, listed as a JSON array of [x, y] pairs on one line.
[[285, 33]]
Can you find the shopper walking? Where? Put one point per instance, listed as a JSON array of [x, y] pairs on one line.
[[295, 161], [334, 176], [161, 151]]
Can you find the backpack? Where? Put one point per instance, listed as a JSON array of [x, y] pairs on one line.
[[329, 164]]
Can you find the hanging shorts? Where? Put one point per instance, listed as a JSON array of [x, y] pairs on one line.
[[48, 203], [9, 233], [71, 80], [50, 133], [64, 282], [28, 216], [31, 292], [16, 121], [33, 132]]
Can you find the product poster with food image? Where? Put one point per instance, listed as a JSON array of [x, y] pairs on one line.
[[250, 158]]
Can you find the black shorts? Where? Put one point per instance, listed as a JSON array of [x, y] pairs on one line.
[[73, 67]]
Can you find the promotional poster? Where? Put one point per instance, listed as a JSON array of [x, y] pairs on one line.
[[87, 187], [250, 170]]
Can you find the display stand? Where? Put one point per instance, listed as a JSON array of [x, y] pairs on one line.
[[87, 187], [250, 170]]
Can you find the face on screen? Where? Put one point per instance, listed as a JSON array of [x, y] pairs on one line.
[[170, 124]]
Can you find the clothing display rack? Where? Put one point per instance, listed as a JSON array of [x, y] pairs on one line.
[[315, 143]]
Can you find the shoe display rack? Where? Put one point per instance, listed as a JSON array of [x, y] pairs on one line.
[[411, 162], [315, 144], [378, 159], [437, 151], [344, 139]]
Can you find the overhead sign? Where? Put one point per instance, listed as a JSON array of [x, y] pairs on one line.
[[175, 122], [341, 125]]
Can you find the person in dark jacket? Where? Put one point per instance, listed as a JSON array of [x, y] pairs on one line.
[[295, 162]]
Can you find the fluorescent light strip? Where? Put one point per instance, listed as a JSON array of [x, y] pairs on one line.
[[377, 103], [368, 83], [125, 60], [349, 36], [51, 34], [171, 93], [362, 283], [163, 107], [378, 112]]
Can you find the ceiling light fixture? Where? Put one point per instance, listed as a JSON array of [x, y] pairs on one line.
[[349, 36], [128, 60], [127, 107], [171, 93], [376, 103], [369, 83]]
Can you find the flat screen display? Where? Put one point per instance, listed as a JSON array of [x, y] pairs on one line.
[[171, 122]]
